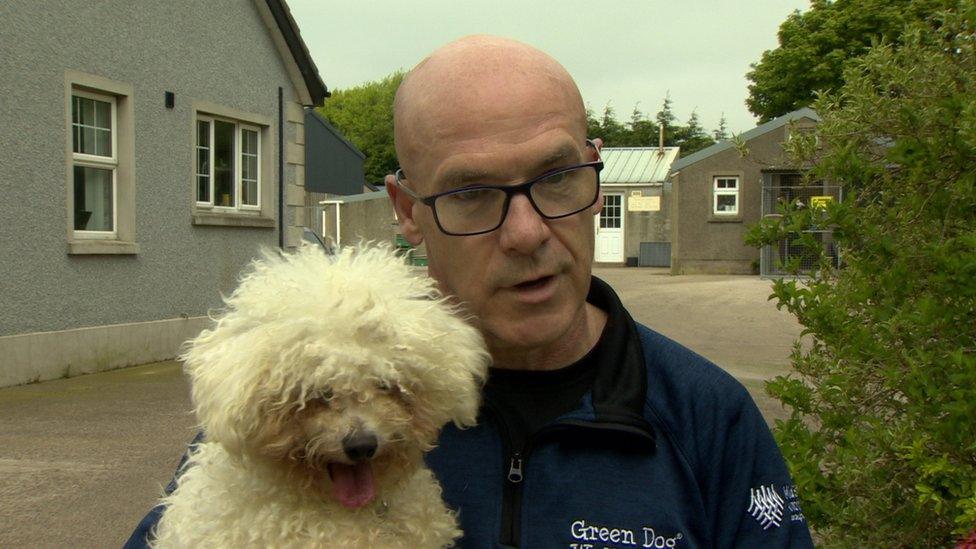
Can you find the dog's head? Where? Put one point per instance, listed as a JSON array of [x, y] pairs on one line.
[[347, 365]]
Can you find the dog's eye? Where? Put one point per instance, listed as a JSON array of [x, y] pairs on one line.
[[325, 394], [387, 387]]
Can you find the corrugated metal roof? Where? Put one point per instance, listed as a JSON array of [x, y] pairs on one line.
[[636, 164]]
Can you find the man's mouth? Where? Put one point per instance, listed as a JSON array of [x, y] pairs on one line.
[[353, 486], [534, 284]]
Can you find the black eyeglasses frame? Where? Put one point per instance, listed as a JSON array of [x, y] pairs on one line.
[[509, 190]]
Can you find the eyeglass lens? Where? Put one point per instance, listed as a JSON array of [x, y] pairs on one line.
[[480, 210]]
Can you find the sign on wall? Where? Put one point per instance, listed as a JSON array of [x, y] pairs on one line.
[[644, 204], [820, 202]]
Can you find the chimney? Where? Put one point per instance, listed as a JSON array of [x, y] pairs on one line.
[[660, 146]]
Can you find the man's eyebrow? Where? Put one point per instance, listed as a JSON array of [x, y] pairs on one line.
[[560, 156], [460, 176]]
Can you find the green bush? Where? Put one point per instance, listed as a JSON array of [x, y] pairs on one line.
[[881, 439]]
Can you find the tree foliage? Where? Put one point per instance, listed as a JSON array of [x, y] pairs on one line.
[[816, 45], [641, 131], [364, 115], [881, 439]]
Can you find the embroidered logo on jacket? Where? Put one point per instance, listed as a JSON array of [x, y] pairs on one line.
[[591, 536], [766, 506]]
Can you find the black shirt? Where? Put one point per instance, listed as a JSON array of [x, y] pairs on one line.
[[527, 400]]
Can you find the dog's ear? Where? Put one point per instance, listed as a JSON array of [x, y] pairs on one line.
[[225, 387], [470, 381]]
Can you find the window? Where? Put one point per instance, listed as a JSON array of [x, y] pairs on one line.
[[726, 196], [610, 214], [94, 165], [228, 164], [99, 148]]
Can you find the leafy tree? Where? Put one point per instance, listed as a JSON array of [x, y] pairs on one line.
[[665, 117], [881, 439], [642, 132], [816, 45], [364, 114], [722, 132], [692, 137]]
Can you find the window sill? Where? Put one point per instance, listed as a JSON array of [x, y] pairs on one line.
[[232, 220], [102, 247], [729, 219]]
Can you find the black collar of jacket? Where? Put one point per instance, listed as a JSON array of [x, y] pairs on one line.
[[620, 386]]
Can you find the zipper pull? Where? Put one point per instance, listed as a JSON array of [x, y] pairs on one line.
[[515, 469]]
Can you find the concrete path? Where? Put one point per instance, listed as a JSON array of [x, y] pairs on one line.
[[83, 459]]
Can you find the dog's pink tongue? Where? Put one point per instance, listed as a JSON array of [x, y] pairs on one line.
[[353, 485]]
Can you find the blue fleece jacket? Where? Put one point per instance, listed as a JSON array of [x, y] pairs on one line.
[[665, 450]]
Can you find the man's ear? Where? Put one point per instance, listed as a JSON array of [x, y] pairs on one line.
[[598, 205], [403, 207]]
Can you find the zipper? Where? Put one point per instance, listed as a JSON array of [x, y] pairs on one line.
[[515, 468], [511, 513]]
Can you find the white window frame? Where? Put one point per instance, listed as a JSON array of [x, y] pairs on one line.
[[239, 128], [100, 162], [718, 191]]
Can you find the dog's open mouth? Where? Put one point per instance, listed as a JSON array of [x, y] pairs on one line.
[[352, 485]]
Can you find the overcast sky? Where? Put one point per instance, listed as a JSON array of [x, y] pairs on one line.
[[623, 52]]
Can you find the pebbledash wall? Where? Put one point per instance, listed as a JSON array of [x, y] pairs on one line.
[[69, 306]]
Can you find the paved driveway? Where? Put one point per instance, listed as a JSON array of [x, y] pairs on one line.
[[82, 459]]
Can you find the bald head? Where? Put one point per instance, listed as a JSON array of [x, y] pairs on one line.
[[480, 85]]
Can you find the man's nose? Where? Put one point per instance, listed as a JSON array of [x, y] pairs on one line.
[[524, 229]]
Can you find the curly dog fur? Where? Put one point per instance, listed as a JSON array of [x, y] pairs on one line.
[[320, 388]]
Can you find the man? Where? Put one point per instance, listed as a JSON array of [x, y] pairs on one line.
[[596, 432]]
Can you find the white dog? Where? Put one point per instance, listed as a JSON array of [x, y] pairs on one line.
[[319, 390]]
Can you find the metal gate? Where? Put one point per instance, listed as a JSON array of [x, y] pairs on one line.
[[779, 188]]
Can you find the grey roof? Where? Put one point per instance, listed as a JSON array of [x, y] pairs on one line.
[[805, 112], [622, 165], [293, 38]]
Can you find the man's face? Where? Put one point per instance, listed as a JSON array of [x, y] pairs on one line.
[[526, 282]]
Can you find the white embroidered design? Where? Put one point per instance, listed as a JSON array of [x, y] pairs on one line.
[[766, 506]]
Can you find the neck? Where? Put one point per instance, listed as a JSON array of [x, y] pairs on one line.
[[565, 350]]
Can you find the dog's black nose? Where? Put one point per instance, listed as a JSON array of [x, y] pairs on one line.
[[359, 446]]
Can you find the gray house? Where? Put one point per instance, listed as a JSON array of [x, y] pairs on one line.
[[150, 150], [718, 193]]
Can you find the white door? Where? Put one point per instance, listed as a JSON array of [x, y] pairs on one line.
[[609, 226]]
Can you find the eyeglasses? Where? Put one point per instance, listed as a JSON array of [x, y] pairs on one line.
[[479, 209]]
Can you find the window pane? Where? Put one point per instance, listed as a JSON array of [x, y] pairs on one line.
[[91, 122], [249, 193], [223, 172], [249, 139], [725, 203], [203, 162], [93, 199], [87, 143], [203, 133], [103, 143], [86, 113], [103, 114], [203, 188]]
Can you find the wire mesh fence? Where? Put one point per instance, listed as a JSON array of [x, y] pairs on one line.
[[780, 189]]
